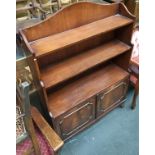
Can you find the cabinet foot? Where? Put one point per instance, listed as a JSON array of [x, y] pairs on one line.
[[121, 105], [133, 107]]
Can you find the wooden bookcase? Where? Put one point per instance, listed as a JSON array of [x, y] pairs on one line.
[[80, 59]]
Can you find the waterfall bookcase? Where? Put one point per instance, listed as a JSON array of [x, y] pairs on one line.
[[79, 60]]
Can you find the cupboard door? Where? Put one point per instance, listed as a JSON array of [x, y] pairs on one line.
[[113, 95], [77, 118]]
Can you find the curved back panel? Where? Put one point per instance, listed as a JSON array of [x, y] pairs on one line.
[[70, 17]]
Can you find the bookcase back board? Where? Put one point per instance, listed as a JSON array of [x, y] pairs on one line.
[[80, 58]]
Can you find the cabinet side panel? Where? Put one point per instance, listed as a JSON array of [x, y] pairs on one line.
[[123, 60], [124, 34]]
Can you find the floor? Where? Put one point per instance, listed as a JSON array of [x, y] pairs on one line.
[[115, 134]]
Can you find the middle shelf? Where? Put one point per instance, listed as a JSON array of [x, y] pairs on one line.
[[71, 67]]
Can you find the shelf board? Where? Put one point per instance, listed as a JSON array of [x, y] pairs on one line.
[[51, 43], [71, 95], [71, 67]]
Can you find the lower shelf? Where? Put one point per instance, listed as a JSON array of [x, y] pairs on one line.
[[79, 103]]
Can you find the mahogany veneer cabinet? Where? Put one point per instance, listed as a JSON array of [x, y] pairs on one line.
[[80, 58]]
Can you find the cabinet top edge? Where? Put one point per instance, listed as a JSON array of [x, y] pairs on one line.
[[73, 16]]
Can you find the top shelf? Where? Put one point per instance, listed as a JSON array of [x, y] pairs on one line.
[[51, 43]]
